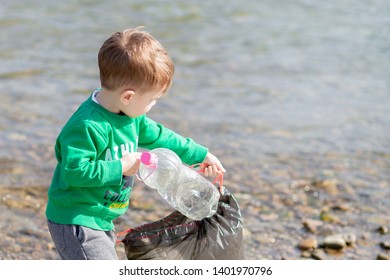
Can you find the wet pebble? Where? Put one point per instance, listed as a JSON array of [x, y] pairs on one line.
[[349, 238], [329, 217], [385, 245], [308, 243], [335, 242], [383, 256], [312, 225], [383, 230], [265, 239], [344, 207], [319, 254], [306, 254]]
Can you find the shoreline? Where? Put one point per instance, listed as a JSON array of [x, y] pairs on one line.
[[25, 235]]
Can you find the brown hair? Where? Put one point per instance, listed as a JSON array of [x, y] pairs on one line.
[[134, 59]]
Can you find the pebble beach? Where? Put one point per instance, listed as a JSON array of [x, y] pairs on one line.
[[304, 220]]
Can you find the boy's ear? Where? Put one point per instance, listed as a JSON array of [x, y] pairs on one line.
[[126, 96]]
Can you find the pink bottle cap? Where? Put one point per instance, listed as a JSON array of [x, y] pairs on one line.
[[146, 158]]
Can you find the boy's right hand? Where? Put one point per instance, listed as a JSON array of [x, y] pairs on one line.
[[130, 163]]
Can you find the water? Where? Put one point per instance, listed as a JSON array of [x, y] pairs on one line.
[[281, 91]]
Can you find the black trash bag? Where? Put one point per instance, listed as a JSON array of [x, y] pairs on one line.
[[177, 237]]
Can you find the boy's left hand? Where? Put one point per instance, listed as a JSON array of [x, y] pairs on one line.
[[212, 166]]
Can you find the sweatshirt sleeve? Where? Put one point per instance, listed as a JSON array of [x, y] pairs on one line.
[[153, 135], [79, 147]]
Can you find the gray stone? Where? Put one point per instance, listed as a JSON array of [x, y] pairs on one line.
[[383, 230], [349, 238], [383, 256], [335, 242], [312, 225], [318, 254], [385, 245], [308, 243]]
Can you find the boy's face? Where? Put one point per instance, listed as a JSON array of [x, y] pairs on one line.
[[141, 103]]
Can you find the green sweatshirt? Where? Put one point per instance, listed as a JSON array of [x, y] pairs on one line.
[[88, 188]]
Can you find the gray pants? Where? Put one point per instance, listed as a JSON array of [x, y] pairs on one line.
[[75, 242]]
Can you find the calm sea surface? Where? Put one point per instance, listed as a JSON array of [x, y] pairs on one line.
[[280, 90]]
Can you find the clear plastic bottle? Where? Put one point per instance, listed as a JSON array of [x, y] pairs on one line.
[[181, 186]]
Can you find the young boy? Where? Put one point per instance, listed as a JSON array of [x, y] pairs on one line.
[[96, 149]]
